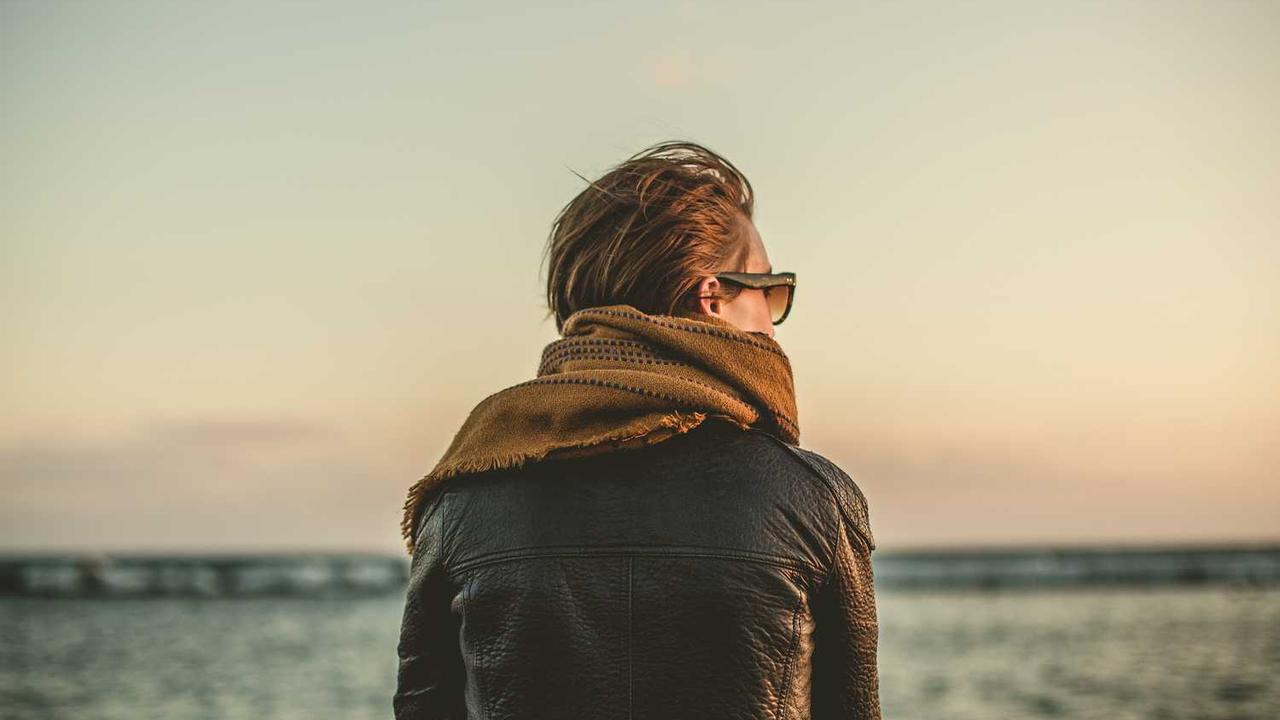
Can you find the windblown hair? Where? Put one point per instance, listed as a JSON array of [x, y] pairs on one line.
[[648, 230]]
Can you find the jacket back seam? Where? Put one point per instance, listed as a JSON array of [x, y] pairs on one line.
[[484, 703], [790, 663], [646, 546], [631, 561], [642, 551]]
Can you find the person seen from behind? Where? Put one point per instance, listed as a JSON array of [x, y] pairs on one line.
[[635, 531]]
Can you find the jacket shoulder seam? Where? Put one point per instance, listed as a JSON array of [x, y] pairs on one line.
[[424, 518], [853, 510]]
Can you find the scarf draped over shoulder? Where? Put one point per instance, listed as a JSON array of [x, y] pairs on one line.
[[619, 378]]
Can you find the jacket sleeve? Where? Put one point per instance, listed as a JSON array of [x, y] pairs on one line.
[[431, 675], [846, 681]]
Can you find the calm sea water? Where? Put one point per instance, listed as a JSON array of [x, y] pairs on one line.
[[1163, 653]]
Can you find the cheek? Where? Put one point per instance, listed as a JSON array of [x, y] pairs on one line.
[[763, 308]]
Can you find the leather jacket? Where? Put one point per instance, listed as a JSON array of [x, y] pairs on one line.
[[718, 574]]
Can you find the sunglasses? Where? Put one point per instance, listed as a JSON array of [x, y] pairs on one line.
[[779, 289]]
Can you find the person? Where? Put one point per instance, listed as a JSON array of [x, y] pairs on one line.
[[635, 532]]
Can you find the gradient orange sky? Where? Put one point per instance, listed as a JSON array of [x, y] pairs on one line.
[[260, 261]]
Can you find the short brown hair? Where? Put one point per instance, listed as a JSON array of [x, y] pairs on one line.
[[646, 231]]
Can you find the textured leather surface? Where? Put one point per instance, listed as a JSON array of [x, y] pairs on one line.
[[718, 574]]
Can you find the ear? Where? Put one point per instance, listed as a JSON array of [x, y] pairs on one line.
[[709, 286]]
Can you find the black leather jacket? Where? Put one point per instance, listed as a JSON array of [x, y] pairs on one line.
[[717, 574]]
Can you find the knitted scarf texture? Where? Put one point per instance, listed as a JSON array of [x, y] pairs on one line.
[[619, 378]]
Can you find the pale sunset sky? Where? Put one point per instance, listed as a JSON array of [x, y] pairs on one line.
[[261, 259]]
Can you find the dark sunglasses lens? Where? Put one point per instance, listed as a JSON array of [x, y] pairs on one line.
[[779, 298]]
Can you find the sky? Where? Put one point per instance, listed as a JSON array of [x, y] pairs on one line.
[[258, 261]]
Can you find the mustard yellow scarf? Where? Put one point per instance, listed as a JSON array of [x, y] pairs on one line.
[[620, 378]]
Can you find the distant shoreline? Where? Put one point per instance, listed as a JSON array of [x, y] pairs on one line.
[[310, 574]]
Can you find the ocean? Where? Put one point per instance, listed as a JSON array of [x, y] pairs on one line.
[[977, 636]]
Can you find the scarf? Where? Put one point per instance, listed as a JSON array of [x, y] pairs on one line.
[[617, 379]]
